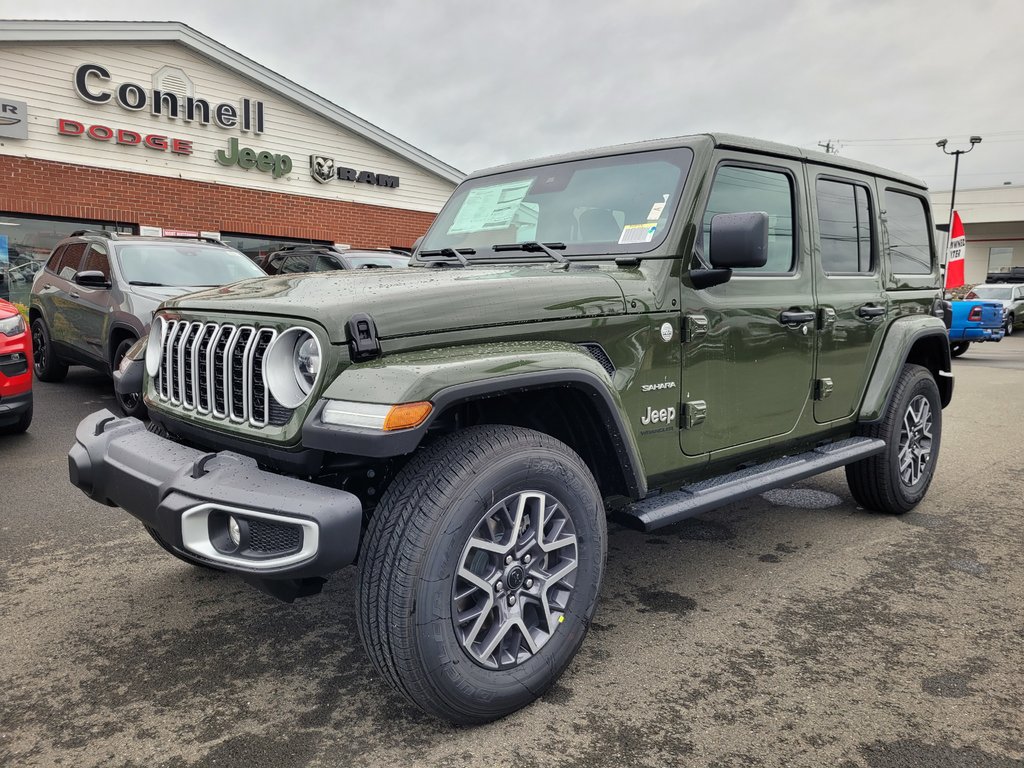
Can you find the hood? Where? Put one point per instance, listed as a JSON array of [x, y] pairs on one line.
[[420, 300], [160, 293]]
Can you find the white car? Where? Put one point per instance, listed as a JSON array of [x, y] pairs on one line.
[[1010, 295]]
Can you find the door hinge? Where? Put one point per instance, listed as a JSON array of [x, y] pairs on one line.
[[694, 326], [694, 413], [826, 318], [822, 388]]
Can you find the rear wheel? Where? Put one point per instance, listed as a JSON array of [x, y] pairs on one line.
[[1008, 328], [480, 572], [131, 404], [46, 364], [896, 479], [957, 348]]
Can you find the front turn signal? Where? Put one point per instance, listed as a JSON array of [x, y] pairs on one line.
[[407, 416]]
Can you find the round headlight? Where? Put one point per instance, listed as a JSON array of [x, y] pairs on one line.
[[291, 366], [155, 346]]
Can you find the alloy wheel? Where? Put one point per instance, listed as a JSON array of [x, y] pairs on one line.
[[515, 577], [915, 451]]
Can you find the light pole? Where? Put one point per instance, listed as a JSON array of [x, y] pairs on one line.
[[956, 167]]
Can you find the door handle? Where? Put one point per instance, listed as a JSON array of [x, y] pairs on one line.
[[796, 317], [74, 295], [870, 310]]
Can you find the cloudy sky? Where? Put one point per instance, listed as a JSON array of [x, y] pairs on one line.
[[477, 83]]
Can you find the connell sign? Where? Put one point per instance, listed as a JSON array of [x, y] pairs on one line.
[[92, 84]]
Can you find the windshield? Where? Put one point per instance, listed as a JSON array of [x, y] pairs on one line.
[[998, 292], [369, 260], [605, 205], [184, 264]]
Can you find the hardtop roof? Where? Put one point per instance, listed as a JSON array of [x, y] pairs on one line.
[[721, 140]]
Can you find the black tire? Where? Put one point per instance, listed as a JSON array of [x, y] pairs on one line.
[[21, 425], [130, 405], [957, 348], [1008, 328], [46, 364], [184, 558], [418, 538], [877, 482]]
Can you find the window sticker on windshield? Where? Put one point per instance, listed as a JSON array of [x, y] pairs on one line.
[[637, 233], [490, 208]]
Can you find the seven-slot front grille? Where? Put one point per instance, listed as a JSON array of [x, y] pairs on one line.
[[217, 370]]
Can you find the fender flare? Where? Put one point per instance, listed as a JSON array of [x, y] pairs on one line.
[[896, 348], [584, 374]]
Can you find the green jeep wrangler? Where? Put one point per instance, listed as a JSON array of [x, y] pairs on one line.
[[648, 331]]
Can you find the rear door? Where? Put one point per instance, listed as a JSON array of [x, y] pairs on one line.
[[94, 304], [848, 284], [748, 344], [60, 294]]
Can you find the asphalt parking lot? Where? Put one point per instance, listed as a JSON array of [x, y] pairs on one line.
[[788, 630]]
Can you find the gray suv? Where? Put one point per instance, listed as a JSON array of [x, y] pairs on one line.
[[98, 291]]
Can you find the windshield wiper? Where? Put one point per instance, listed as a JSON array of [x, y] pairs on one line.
[[146, 283], [535, 247], [456, 252]]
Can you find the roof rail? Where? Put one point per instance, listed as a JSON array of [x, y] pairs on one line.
[[108, 234]]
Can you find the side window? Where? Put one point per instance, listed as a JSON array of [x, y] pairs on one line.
[[274, 264], [739, 190], [96, 259], [844, 227], [327, 263], [910, 251], [297, 264], [67, 267], [53, 263]]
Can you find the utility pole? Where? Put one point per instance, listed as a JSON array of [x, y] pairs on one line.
[[829, 147]]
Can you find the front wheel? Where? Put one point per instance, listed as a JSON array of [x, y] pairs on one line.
[[957, 348], [896, 479], [480, 572], [130, 404]]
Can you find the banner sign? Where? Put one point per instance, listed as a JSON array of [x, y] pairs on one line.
[[955, 254]]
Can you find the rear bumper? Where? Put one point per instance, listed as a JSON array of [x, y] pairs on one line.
[[976, 334], [289, 528]]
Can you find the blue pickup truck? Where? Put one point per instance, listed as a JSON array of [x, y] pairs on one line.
[[974, 321]]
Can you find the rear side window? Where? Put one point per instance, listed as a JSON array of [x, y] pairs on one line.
[[906, 222], [67, 267], [740, 190], [327, 263], [96, 260], [844, 227]]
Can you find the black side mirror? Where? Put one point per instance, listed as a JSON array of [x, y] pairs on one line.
[[739, 240], [92, 278]]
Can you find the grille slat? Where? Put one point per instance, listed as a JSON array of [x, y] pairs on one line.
[[217, 370]]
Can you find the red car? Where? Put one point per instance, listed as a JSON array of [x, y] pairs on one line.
[[15, 370]]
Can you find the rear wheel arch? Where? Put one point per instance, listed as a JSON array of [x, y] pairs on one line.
[[925, 344]]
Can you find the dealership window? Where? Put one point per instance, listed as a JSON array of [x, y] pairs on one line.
[[1000, 259], [25, 244], [256, 247]]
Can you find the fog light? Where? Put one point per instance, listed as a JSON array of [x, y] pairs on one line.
[[234, 532]]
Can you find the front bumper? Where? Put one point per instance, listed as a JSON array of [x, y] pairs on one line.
[[290, 529], [12, 407]]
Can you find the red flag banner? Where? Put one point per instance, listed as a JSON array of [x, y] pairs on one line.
[[955, 254]]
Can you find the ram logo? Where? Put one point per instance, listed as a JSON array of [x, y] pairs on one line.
[[321, 168]]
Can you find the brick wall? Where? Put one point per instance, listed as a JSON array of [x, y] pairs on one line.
[[46, 188]]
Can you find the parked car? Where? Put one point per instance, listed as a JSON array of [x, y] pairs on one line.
[[295, 259], [656, 329], [1009, 295], [96, 296], [973, 322], [15, 371]]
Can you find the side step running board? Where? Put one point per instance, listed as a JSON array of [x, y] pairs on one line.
[[668, 508]]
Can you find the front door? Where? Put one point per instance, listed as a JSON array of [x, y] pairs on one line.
[[748, 347], [92, 311], [851, 306]]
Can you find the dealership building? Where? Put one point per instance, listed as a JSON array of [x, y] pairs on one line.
[[993, 220], [153, 128]]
